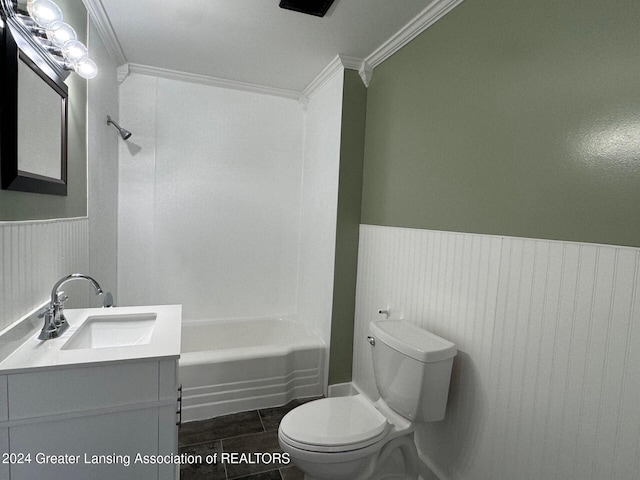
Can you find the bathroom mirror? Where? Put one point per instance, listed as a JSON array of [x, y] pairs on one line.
[[33, 143]]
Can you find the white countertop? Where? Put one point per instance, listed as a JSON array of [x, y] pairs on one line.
[[37, 354]]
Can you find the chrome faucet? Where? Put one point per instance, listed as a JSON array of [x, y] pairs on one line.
[[55, 322]]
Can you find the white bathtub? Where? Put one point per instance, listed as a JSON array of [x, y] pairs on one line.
[[229, 366]]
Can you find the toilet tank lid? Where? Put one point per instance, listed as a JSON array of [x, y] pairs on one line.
[[412, 340]]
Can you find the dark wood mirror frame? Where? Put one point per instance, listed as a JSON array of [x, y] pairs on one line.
[[18, 49]]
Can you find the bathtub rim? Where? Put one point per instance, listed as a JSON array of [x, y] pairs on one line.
[[289, 317], [312, 340]]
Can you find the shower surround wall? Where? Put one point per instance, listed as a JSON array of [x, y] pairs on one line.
[[319, 205], [209, 199], [102, 145]]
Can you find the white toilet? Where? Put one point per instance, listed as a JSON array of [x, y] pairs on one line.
[[350, 438]]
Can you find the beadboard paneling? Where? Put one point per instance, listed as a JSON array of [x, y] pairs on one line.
[[545, 385], [33, 256]]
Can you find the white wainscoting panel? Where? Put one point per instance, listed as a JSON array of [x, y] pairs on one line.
[[546, 384], [33, 256]]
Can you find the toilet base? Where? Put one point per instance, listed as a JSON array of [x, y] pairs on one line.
[[404, 447], [371, 465]]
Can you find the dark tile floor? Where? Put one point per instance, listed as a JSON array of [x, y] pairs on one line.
[[254, 434]]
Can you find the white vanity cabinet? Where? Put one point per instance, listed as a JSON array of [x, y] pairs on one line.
[[112, 420], [98, 402]]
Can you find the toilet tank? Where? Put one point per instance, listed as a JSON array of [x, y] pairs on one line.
[[412, 368]]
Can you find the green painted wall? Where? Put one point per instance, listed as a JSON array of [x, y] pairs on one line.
[[511, 117], [354, 104], [34, 206]]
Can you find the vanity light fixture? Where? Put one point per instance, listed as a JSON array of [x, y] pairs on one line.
[[61, 33], [45, 22], [45, 13]]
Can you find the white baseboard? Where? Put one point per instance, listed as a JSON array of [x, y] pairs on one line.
[[428, 471]]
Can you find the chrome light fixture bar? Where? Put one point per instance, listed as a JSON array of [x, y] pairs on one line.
[[43, 20]]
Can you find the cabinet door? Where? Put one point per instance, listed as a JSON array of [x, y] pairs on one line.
[[118, 437]]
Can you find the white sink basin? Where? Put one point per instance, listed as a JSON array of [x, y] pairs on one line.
[[94, 336], [104, 331]]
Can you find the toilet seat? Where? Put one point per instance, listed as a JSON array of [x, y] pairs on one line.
[[338, 424]]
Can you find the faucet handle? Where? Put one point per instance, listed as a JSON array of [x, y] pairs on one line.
[[58, 308], [108, 300], [50, 329], [48, 310]]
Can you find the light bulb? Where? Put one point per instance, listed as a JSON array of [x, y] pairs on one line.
[[62, 34], [44, 12], [74, 51], [86, 68]]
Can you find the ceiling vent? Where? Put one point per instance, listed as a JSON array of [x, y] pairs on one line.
[[310, 7]]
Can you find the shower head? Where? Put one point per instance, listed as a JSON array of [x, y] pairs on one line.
[[123, 132]]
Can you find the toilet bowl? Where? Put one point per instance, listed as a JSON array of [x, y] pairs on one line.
[[351, 438], [342, 438]]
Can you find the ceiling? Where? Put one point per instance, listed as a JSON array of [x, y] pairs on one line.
[[253, 41]]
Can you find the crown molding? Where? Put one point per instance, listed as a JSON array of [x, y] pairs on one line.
[[122, 72], [323, 77], [366, 73], [352, 63], [98, 14], [338, 64], [430, 15], [212, 81]]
